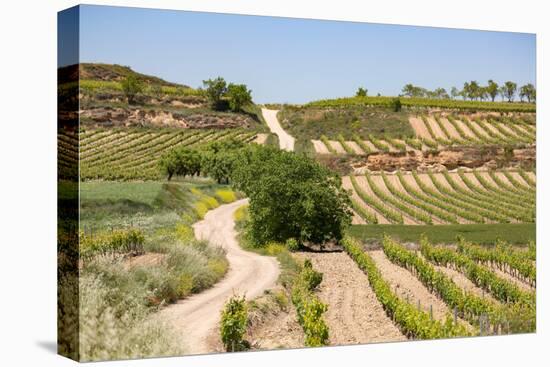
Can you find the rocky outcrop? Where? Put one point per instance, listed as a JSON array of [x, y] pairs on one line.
[[116, 116], [487, 157]]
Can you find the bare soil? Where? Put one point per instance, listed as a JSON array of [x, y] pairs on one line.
[[320, 147], [354, 316], [419, 128], [337, 147]]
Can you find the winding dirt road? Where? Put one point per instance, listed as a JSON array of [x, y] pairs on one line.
[[197, 317], [286, 142]]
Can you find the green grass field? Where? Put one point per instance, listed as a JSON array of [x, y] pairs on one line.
[[521, 233]]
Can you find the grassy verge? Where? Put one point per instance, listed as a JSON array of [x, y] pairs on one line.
[[120, 291], [521, 233]]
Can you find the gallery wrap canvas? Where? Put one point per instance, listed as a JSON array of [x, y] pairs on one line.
[[233, 183]]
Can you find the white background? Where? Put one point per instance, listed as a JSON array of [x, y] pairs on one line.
[[28, 181]]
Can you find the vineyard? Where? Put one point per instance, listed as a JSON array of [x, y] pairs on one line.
[[425, 102], [461, 197], [433, 292], [437, 132], [133, 154]]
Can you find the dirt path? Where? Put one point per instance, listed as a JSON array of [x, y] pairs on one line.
[[196, 317], [286, 142], [354, 316]]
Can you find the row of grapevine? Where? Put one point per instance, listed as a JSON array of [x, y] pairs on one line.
[[468, 305], [441, 196], [378, 205], [504, 257], [127, 154], [502, 289], [413, 322], [425, 103]]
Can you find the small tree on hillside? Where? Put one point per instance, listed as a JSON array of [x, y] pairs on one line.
[[455, 92], [131, 86], [361, 92], [180, 162], [215, 89], [492, 90], [239, 96], [528, 91], [508, 90]]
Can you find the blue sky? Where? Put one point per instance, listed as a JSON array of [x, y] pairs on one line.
[[298, 60]]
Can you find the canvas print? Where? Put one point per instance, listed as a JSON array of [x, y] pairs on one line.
[[233, 183]]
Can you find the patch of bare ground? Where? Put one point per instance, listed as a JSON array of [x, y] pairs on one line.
[[261, 138], [465, 128], [337, 147], [408, 287], [320, 147], [481, 131], [356, 148], [354, 316], [520, 179], [371, 146], [419, 128], [347, 185], [450, 128], [435, 128]]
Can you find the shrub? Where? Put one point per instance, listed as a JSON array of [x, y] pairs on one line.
[[131, 86], [233, 324], [239, 96], [226, 196], [395, 104], [116, 242], [292, 245]]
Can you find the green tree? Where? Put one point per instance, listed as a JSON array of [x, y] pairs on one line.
[[361, 92], [441, 93], [239, 96], [528, 91], [455, 92], [180, 162], [215, 89], [395, 104], [291, 196], [492, 89], [131, 86], [508, 90]]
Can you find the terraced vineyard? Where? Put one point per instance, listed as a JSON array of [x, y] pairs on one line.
[[133, 154], [439, 132], [433, 292], [461, 197]]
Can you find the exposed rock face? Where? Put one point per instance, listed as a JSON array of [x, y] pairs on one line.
[[488, 157], [115, 116]]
